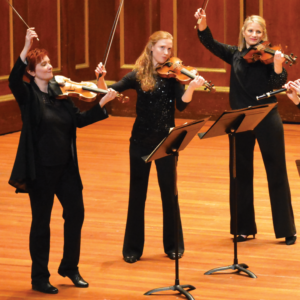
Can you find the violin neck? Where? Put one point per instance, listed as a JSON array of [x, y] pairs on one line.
[[188, 73], [95, 90], [272, 52]]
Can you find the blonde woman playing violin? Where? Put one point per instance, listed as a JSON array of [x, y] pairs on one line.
[[155, 109], [46, 162], [248, 80]]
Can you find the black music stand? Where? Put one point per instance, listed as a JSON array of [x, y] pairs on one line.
[[178, 138], [298, 166], [231, 123]]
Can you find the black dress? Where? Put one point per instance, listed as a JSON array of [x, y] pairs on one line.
[[155, 115], [246, 82], [46, 165]]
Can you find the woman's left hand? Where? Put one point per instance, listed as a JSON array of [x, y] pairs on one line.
[[197, 82], [278, 60], [278, 57], [111, 94]]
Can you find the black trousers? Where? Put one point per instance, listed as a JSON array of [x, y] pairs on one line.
[[64, 182], [270, 136], [139, 176]]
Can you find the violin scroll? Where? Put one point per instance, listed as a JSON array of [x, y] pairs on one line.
[[122, 98]]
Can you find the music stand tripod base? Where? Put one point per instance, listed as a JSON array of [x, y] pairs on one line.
[[238, 267], [179, 288]]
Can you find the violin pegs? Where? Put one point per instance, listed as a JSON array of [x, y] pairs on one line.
[[205, 88], [209, 82], [291, 65], [292, 54], [286, 62]]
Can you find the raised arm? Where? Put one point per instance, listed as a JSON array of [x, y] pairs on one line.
[[16, 83], [223, 51]]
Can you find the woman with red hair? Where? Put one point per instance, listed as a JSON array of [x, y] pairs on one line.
[[46, 161], [155, 109]]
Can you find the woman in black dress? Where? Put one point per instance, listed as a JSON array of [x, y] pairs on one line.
[[46, 161], [155, 108], [246, 82]]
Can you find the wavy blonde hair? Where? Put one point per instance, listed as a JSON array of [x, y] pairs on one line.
[[144, 65], [252, 19]]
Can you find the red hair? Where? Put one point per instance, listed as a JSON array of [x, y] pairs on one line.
[[34, 57]]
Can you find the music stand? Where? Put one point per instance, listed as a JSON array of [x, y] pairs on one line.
[[298, 166], [231, 123], [178, 138]]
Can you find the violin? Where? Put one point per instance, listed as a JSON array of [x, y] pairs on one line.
[[173, 68], [265, 53], [85, 91]]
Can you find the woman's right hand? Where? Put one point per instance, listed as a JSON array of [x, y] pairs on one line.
[[30, 35], [100, 69], [293, 90], [201, 15]]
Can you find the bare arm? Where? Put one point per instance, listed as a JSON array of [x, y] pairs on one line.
[[197, 82]]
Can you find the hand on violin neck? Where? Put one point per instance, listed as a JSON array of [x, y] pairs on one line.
[[197, 82], [111, 94], [278, 60], [200, 15]]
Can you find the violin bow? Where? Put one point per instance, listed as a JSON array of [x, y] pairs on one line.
[[19, 16], [111, 36], [204, 5]]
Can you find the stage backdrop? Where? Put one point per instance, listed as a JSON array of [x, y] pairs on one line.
[[76, 32]]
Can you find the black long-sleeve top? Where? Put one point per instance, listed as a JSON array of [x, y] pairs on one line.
[[155, 109], [247, 80], [32, 108]]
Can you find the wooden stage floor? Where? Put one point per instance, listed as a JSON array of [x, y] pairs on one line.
[[203, 194]]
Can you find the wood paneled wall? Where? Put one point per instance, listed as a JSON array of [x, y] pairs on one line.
[[76, 33]]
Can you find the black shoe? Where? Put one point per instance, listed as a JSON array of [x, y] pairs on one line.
[[45, 287], [241, 238], [131, 259], [76, 279], [173, 255], [290, 240]]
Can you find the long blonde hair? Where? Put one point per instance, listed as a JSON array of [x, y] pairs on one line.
[[252, 19], [144, 64]]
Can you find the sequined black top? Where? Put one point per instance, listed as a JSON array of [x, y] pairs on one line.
[[247, 80], [155, 109]]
